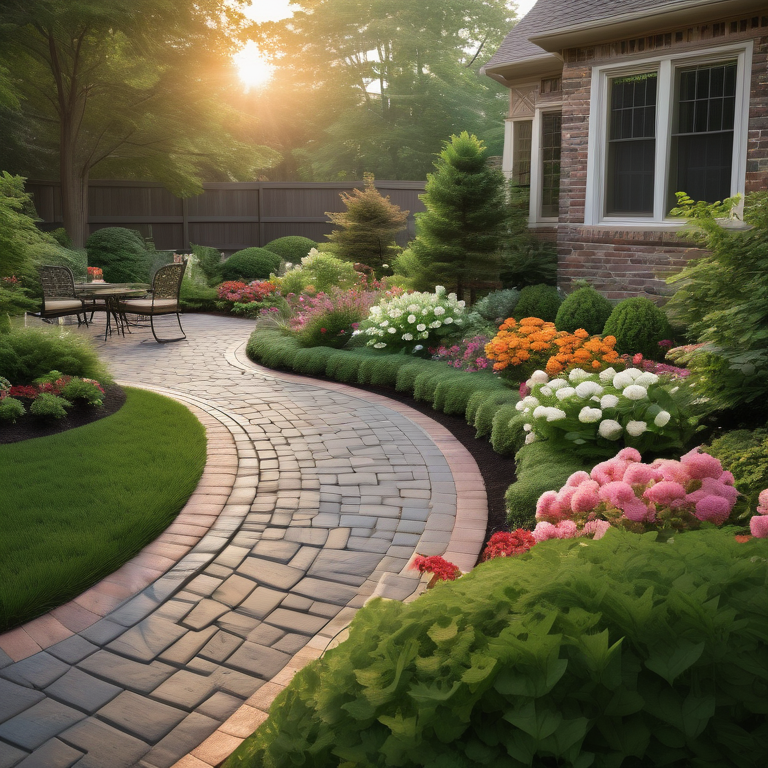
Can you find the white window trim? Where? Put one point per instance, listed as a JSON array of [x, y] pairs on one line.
[[664, 65], [534, 214], [508, 158]]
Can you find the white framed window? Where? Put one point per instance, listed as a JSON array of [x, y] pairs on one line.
[[516, 162], [546, 134], [666, 124]]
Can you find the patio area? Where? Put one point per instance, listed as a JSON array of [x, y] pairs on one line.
[[315, 496]]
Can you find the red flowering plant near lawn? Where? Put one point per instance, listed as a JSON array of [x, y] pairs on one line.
[[506, 544], [439, 567]]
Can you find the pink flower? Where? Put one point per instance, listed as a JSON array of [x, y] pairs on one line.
[[544, 531], [566, 529], [629, 454], [586, 497], [665, 492], [563, 506], [617, 493], [763, 502], [577, 478], [701, 465], [727, 478], [638, 512], [641, 474], [758, 526], [714, 509], [596, 527], [609, 471], [672, 470], [545, 503]]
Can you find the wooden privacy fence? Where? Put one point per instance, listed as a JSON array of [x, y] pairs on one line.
[[227, 215]]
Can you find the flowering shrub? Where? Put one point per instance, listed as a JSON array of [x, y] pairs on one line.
[[758, 525], [5, 385], [504, 544], [651, 366], [95, 273], [55, 383], [588, 412], [412, 318], [624, 492], [467, 355], [532, 344], [245, 293], [441, 568]]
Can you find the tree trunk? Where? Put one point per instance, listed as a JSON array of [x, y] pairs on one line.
[[74, 192]]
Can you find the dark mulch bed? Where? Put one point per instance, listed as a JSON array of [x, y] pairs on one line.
[[78, 415]]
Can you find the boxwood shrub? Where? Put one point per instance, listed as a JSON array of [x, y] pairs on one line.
[[484, 404], [638, 325], [292, 248], [627, 651], [584, 308], [250, 264], [120, 253]]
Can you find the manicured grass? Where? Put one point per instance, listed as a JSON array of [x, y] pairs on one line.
[[77, 505]]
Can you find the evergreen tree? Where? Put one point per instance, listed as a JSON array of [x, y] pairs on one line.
[[460, 234], [368, 226]]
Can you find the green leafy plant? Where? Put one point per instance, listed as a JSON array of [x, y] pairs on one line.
[[48, 406], [584, 308], [292, 248], [79, 389], [542, 301], [688, 208], [638, 325], [250, 264], [497, 306], [120, 253], [209, 260], [322, 271], [11, 409], [553, 657]]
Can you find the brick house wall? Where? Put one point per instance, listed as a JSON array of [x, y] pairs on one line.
[[629, 263]]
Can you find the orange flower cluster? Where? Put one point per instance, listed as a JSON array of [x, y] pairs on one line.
[[534, 342]]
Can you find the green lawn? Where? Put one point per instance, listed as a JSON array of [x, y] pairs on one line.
[[75, 506]]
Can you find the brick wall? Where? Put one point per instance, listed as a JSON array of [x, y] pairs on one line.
[[628, 263]]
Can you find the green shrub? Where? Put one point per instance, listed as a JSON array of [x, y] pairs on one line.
[[120, 253], [197, 297], [28, 353], [542, 301], [638, 325], [209, 260], [584, 308], [745, 454], [539, 467], [452, 395], [77, 389], [291, 249], [61, 236], [406, 376], [11, 409], [381, 369], [426, 382], [620, 652], [482, 408], [250, 264], [48, 406], [42, 254], [344, 366], [272, 348], [498, 306], [323, 271], [504, 436], [313, 361]]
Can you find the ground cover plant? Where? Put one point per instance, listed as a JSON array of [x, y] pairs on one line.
[[78, 505], [551, 657]]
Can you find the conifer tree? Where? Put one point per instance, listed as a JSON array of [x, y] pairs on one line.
[[368, 226], [459, 236]]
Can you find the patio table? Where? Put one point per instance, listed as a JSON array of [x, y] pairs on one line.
[[112, 294]]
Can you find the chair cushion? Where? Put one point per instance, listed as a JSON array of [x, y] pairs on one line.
[[62, 305], [145, 306]]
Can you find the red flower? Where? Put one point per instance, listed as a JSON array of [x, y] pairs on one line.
[[503, 544], [437, 565]]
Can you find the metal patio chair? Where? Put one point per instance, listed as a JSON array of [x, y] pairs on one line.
[[59, 298]]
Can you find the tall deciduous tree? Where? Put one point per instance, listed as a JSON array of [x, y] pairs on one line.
[[130, 88], [383, 82], [459, 236]]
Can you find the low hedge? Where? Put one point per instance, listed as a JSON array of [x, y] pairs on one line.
[[626, 651]]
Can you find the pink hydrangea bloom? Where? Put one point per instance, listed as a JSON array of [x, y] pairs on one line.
[[566, 529], [577, 478], [629, 454], [711, 487], [701, 465], [617, 493], [672, 470], [763, 502], [641, 474], [714, 509], [564, 496], [665, 492], [638, 512], [609, 471], [596, 527], [758, 526], [586, 497], [544, 531], [545, 504], [728, 478]]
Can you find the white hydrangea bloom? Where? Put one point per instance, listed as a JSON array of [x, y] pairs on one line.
[[395, 313], [540, 412], [391, 329], [546, 391], [635, 392], [421, 327], [357, 332], [411, 318], [383, 323], [622, 379], [527, 427], [556, 414], [609, 401], [418, 348], [636, 428], [435, 325], [530, 438], [519, 405], [662, 419], [586, 389], [607, 375], [440, 290], [558, 383], [448, 320], [577, 375], [646, 378], [565, 393], [379, 345], [461, 304], [634, 373], [375, 311], [407, 337], [424, 335], [589, 415], [439, 311], [412, 308], [610, 429], [530, 401], [538, 377]]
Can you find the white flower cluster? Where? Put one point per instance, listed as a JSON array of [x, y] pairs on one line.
[[396, 323], [585, 406]]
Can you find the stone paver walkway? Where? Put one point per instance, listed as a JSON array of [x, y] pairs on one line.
[[315, 497]]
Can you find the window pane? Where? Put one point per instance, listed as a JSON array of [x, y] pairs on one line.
[[521, 153], [550, 164], [632, 145]]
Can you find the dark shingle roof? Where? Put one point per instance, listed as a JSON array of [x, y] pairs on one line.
[[549, 15]]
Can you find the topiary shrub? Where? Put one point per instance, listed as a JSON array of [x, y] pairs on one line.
[[406, 376], [120, 253], [313, 361], [452, 396], [496, 307], [11, 409], [542, 301], [48, 406], [638, 325], [620, 652], [291, 249], [250, 264], [505, 431], [344, 367], [584, 308], [381, 369], [272, 348], [323, 271], [482, 408]]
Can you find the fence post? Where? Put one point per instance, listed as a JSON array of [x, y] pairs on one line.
[[260, 213]]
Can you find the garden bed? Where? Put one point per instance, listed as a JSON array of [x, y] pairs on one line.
[[29, 427]]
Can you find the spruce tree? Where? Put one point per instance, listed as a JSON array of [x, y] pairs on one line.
[[368, 226], [459, 236]]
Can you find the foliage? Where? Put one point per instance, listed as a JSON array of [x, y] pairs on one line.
[[61, 237], [623, 492], [209, 260], [11, 409], [313, 361], [368, 227], [28, 353], [49, 406], [688, 208], [83, 389], [744, 453], [497, 306], [272, 348], [194, 296], [638, 325], [507, 544], [507, 435], [291, 249], [584, 308], [550, 657], [539, 301], [120, 253], [588, 413], [722, 299], [382, 370], [413, 320], [459, 235], [651, 366], [322, 271], [41, 254], [104, 490], [250, 264], [483, 406], [13, 301], [452, 395], [467, 355], [519, 349]]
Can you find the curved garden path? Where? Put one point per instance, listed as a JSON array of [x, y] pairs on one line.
[[315, 496]]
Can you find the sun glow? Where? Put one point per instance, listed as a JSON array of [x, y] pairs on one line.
[[252, 68]]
